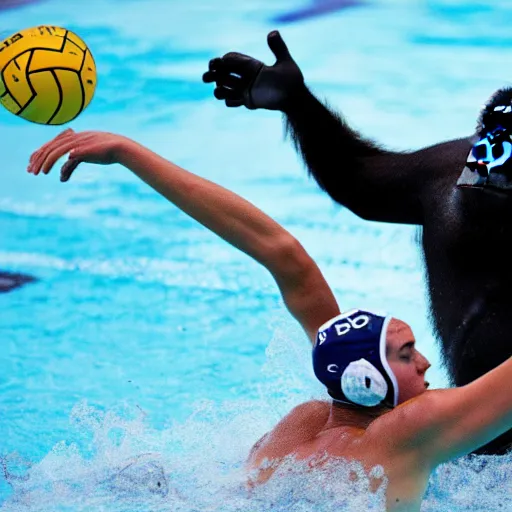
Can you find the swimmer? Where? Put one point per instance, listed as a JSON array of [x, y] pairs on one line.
[[380, 410], [459, 191]]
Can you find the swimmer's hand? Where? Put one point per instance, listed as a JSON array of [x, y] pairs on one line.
[[91, 147], [242, 80]]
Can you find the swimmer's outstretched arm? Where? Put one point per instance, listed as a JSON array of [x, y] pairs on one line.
[[306, 294], [444, 424], [374, 183]]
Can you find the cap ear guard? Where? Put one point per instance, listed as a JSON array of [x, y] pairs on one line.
[[363, 384]]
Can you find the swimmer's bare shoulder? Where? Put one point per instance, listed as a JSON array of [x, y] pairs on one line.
[[299, 426], [302, 434]]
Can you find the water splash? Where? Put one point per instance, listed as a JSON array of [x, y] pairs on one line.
[[194, 466], [476, 483], [115, 461]]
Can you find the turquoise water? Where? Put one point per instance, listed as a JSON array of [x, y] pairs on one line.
[[151, 352]]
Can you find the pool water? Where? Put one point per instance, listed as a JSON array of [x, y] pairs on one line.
[[149, 356]]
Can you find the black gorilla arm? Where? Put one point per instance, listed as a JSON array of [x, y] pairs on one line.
[[374, 183]]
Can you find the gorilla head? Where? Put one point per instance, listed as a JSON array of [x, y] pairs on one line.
[[489, 163]]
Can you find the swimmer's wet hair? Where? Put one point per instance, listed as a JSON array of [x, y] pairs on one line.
[[489, 118]]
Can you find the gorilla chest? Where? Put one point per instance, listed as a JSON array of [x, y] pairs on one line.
[[469, 235], [468, 254]]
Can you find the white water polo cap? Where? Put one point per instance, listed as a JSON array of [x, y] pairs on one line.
[[349, 359]]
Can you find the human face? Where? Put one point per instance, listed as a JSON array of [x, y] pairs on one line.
[[408, 365]]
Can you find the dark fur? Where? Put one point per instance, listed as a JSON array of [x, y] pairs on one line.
[[465, 237], [488, 118]]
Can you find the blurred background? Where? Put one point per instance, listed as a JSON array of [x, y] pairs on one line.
[[139, 332]]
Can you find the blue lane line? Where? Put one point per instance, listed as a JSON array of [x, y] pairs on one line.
[[318, 8], [9, 4], [10, 281]]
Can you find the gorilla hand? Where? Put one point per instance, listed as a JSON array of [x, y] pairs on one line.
[[242, 80]]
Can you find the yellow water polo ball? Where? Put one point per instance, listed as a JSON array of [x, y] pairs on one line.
[[47, 75]]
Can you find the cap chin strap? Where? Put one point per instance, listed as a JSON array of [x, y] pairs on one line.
[[383, 404]]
